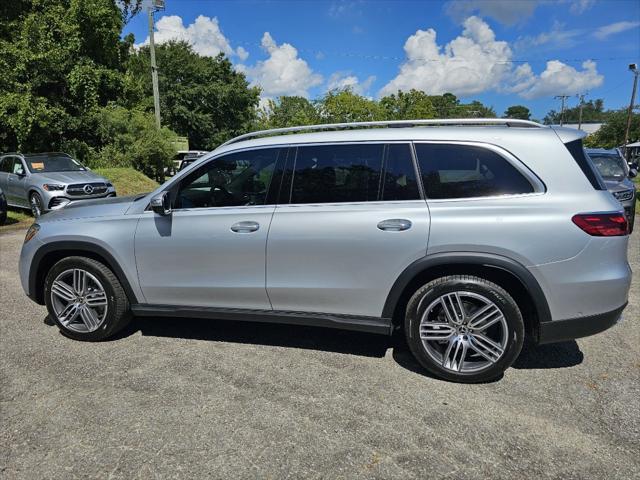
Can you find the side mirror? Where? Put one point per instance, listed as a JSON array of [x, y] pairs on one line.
[[633, 173], [161, 203]]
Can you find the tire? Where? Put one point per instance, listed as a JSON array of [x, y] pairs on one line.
[[36, 204], [446, 342], [101, 286]]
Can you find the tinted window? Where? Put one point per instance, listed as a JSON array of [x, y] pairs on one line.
[[337, 173], [578, 154], [399, 182], [6, 164], [236, 179], [462, 171]]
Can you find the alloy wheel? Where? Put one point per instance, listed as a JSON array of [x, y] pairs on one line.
[[36, 205], [79, 300], [464, 332]]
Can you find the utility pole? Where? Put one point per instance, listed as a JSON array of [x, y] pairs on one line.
[[154, 6], [562, 98], [581, 97], [633, 68]]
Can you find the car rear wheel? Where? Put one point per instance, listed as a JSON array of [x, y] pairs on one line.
[[85, 299], [464, 328], [35, 201]]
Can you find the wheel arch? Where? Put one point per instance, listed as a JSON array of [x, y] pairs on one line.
[[49, 254], [503, 271]]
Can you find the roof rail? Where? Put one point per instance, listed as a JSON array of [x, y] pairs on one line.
[[509, 122]]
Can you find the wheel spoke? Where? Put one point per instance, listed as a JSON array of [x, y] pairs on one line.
[[96, 299], [486, 347], [453, 358], [80, 281], [436, 331], [453, 308], [484, 318], [69, 314], [89, 318], [64, 291]]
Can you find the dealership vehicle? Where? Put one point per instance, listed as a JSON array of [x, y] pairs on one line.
[[460, 233], [184, 158], [617, 175], [190, 158], [3, 208], [49, 181]]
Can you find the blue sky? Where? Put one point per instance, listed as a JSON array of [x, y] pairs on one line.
[[497, 51]]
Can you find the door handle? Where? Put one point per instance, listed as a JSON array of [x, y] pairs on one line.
[[395, 225], [245, 227]]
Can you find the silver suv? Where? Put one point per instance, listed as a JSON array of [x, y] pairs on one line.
[[467, 235], [49, 181]]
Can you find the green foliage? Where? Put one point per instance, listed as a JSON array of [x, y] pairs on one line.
[[412, 105], [129, 138], [339, 106], [518, 111], [127, 181], [611, 134], [290, 111], [592, 112], [202, 98]]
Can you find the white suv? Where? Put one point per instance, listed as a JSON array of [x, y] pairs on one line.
[[469, 235]]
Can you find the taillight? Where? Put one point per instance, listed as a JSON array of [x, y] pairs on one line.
[[602, 224]]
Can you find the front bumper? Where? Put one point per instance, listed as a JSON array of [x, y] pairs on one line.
[[562, 330], [57, 200]]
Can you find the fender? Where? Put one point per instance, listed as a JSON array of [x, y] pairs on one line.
[[474, 258], [77, 246]]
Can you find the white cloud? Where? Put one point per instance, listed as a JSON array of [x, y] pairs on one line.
[[557, 79], [580, 6], [204, 35], [556, 38], [476, 62], [508, 12], [283, 73], [613, 28], [343, 80], [469, 64]]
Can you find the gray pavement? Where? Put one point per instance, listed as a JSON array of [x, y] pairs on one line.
[[184, 398]]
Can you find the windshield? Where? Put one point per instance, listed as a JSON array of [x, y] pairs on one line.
[[53, 163], [610, 166]]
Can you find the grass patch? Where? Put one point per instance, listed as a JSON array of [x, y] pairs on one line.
[[18, 217], [127, 180]]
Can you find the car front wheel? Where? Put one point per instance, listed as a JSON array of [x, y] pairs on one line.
[[35, 201], [85, 299], [464, 328]]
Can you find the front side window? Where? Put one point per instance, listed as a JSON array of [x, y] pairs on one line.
[[237, 179], [464, 171], [53, 163], [18, 167]]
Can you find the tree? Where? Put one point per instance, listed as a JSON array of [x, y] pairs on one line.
[[592, 112], [202, 98], [290, 111], [411, 105], [338, 106], [611, 134], [518, 111]]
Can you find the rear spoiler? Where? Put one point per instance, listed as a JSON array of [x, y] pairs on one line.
[[567, 135]]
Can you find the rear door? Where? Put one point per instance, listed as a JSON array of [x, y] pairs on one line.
[[16, 182], [350, 220]]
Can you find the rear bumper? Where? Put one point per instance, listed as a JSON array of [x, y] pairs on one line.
[[561, 330]]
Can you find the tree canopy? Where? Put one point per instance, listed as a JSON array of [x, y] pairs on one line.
[[518, 111]]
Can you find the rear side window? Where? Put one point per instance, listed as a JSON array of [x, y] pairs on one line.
[[337, 173], [5, 164], [464, 171], [578, 154]]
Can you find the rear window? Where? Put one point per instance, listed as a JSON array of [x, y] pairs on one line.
[[583, 161]]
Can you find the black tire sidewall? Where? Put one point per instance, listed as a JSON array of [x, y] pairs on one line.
[[37, 196], [423, 298], [110, 322]]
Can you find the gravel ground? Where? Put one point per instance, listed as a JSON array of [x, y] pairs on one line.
[[184, 398]]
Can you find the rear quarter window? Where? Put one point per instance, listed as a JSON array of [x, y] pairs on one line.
[[577, 152], [465, 171]]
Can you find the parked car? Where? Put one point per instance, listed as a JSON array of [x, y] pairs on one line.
[[183, 155], [463, 235], [3, 208], [617, 174], [190, 158], [49, 181]]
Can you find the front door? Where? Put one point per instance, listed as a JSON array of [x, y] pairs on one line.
[[16, 183], [210, 252]]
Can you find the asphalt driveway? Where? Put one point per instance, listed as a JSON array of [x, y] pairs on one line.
[[184, 398]]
